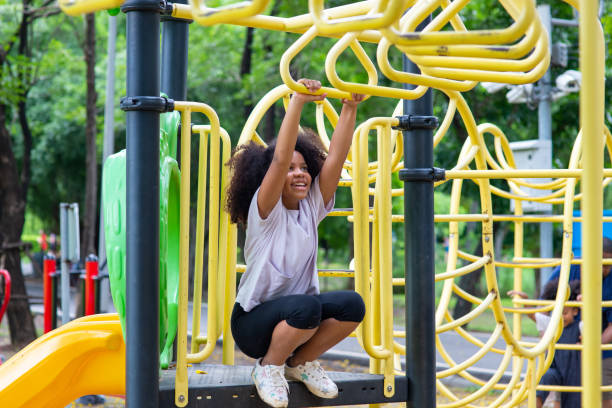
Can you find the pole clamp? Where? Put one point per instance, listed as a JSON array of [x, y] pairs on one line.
[[411, 122], [422, 174], [147, 103], [143, 5]]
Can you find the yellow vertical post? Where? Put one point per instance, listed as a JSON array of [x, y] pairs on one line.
[[181, 347], [591, 123], [200, 229]]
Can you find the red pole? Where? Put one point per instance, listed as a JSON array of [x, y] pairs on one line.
[[91, 273], [7, 292], [49, 266]]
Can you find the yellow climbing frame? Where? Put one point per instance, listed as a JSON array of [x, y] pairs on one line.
[[452, 59]]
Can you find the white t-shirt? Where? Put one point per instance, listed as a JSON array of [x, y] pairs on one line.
[[542, 320], [281, 250]]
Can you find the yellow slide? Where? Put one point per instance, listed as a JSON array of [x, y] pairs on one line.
[[85, 356]]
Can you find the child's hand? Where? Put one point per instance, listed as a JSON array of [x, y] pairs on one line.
[[312, 86], [354, 101], [518, 293]]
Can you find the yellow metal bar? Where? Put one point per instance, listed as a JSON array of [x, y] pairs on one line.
[[470, 316], [361, 237], [475, 357], [288, 56], [371, 88], [181, 353], [207, 16], [499, 174], [464, 270], [200, 229], [481, 37], [383, 14], [186, 108], [592, 103], [385, 253], [78, 7], [214, 321]]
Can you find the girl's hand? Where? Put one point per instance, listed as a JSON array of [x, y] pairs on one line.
[[518, 293], [354, 101], [312, 86]]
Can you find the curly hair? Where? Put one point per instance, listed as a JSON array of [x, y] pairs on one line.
[[249, 164], [550, 289]]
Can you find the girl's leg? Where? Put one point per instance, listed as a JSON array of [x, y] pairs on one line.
[[341, 313], [329, 333], [285, 339], [276, 328]]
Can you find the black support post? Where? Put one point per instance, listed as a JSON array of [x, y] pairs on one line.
[[142, 198], [418, 177], [175, 42]]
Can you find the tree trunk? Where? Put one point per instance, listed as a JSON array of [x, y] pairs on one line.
[[245, 66], [91, 131], [12, 217]]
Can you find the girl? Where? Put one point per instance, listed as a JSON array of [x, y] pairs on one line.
[[281, 193]]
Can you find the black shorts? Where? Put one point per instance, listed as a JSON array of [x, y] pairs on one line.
[[252, 330]]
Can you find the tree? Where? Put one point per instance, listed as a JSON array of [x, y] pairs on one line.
[[91, 132], [16, 69]]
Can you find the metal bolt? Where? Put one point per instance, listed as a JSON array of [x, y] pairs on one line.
[[487, 239], [181, 398], [389, 388]]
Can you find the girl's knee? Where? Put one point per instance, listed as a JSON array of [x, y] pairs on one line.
[[355, 307], [306, 313]]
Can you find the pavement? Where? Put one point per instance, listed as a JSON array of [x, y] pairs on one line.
[[349, 349]]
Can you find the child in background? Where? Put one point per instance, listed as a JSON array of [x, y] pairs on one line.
[[565, 368]]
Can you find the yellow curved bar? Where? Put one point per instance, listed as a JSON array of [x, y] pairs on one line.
[[361, 236], [463, 270], [502, 63], [469, 316], [371, 88], [78, 7], [208, 16], [249, 128], [288, 56], [382, 57], [518, 50], [481, 37], [186, 108], [386, 12], [475, 357]]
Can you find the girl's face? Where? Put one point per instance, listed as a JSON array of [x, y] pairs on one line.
[[297, 183]]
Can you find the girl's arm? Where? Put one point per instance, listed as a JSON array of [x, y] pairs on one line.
[[272, 184], [339, 148]]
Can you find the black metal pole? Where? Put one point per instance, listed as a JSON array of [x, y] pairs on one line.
[[142, 201], [175, 43], [419, 250]]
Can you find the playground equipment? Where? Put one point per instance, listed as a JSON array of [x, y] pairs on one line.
[[6, 294], [451, 61], [85, 356]]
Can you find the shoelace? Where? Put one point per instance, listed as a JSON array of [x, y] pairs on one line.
[[277, 378], [318, 369]]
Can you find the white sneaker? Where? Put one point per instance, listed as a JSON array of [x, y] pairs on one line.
[[271, 384], [314, 377]]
